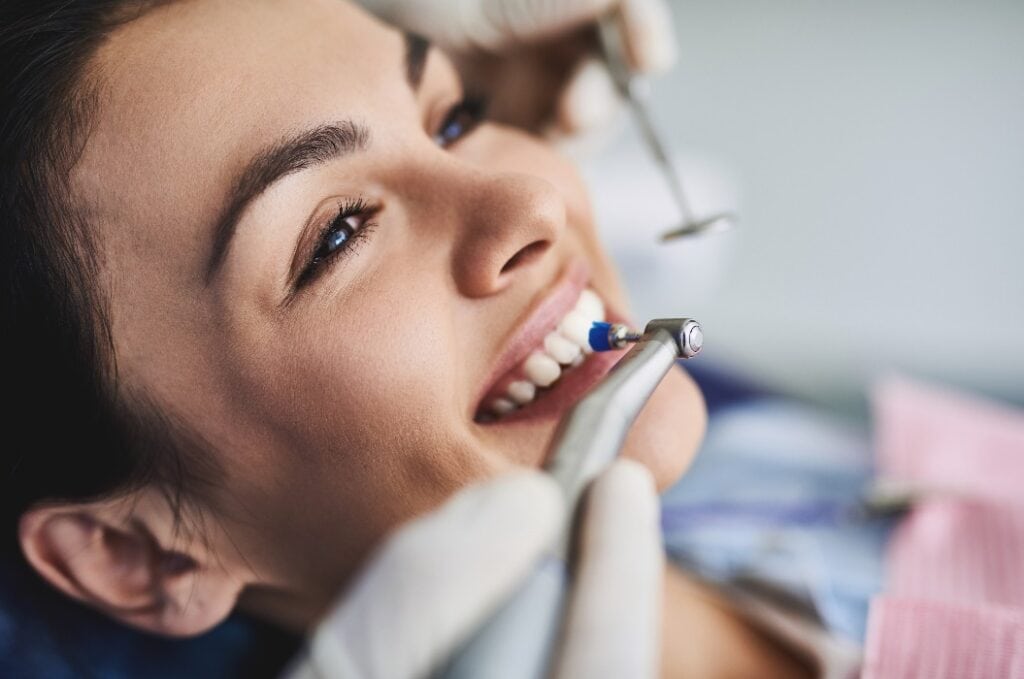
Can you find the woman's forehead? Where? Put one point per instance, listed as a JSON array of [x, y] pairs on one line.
[[191, 90]]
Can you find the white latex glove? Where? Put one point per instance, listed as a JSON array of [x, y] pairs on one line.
[[587, 98], [440, 576]]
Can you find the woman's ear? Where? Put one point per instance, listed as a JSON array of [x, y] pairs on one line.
[[120, 556]]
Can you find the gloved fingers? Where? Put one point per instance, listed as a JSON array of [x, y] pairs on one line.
[[589, 101], [496, 24], [647, 25], [492, 25], [438, 577], [650, 37], [613, 624]]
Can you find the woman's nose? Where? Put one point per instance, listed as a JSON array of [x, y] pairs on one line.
[[508, 228]]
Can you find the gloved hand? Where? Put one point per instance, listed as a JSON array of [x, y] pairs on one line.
[[437, 578], [538, 55]]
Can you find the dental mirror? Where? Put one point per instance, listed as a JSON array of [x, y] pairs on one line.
[[614, 49]]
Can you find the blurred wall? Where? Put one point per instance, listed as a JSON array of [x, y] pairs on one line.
[[875, 154]]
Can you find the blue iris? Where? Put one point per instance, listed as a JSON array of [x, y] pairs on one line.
[[452, 131], [337, 239]]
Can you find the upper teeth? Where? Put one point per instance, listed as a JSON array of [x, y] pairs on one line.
[[564, 346]]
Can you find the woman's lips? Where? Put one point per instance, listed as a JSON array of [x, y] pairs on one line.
[[547, 365], [537, 322]]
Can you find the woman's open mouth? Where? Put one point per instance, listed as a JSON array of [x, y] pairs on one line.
[[553, 364]]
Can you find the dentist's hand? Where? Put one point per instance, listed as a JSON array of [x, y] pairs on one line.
[[536, 58], [440, 576]]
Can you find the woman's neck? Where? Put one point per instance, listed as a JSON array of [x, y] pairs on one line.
[[290, 611], [703, 637]]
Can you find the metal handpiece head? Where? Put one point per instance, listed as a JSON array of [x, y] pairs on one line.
[[687, 333]]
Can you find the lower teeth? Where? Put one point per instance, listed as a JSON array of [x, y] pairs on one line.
[[522, 393]]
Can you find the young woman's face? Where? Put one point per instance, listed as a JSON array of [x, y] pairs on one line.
[[317, 262]]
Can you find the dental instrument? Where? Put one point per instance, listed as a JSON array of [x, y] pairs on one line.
[[613, 47], [610, 336], [518, 640]]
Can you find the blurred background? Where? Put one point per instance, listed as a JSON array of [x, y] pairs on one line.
[[875, 154]]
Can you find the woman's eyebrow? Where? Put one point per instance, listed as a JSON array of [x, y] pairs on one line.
[[300, 151], [297, 152]]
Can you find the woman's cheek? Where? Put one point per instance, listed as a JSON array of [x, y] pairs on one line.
[[669, 430]]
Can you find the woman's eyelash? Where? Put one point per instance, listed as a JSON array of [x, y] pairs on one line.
[[462, 119], [338, 237]]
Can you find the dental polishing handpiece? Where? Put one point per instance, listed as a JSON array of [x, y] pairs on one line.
[[610, 336], [517, 641]]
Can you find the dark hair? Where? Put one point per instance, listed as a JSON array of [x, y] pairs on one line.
[[69, 431]]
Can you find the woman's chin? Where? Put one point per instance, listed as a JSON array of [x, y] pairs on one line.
[[669, 430]]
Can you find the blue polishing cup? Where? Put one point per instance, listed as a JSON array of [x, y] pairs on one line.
[[599, 336]]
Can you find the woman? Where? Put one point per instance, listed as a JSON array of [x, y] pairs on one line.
[[261, 252]]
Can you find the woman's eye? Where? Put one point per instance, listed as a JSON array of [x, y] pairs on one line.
[[462, 119], [338, 237]]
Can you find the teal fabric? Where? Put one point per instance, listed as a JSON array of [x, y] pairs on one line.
[[774, 496]]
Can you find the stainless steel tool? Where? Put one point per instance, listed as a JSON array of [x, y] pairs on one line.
[[614, 49], [517, 641]]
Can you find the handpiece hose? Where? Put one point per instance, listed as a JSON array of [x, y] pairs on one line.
[[516, 642]]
